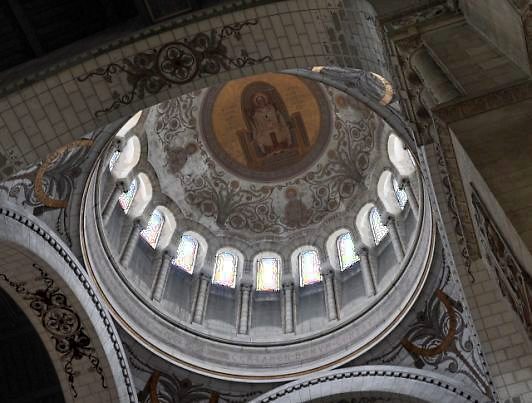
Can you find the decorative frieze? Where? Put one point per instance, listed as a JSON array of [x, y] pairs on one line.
[[515, 283]]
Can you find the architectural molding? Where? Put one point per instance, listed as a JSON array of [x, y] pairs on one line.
[[386, 381], [464, 108], [426, 15]]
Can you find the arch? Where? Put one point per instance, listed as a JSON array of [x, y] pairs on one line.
[[34, 255], [126, 199], [378, 229], [226, 267], [129, 158], [153, 229], [400, 156], [307, 260], [187, 252], [169, 227], [130, 124], [142, 197], [363, 225], [387, 193], [268, 268], [388, 381], [400, 194]]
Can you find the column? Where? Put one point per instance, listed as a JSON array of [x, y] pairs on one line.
[[330, 296], [162, 275], [288, 292], [111, 202], [367, 275], [202, 297], [411, 197], [131, 243], [245, 291], [391, 224]]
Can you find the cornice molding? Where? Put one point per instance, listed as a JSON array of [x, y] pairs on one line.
[[384, 373], [464, 108]]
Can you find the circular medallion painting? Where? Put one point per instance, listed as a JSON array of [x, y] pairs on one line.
[[266, 127]]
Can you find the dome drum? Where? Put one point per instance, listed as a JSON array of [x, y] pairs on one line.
[[291, 295]]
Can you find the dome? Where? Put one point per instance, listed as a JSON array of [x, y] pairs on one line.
[[274, 224]]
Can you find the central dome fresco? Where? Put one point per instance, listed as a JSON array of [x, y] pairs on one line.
[[262, 155]]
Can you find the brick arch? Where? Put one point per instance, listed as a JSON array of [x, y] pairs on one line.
[[125, 78]]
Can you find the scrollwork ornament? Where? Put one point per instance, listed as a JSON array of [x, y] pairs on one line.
[[62, 323], [174, 63]]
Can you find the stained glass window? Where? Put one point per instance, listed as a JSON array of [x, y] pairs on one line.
[[225, 269], [400, 194], [186, 253], [114, 160], [377, 227], [309, 268], [126, 198], [268, 274], [152, 232], [346, 251]]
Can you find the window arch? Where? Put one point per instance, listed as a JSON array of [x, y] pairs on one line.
[[400, 194], [309, 267], [130, 124], [126, 198], [268, 273], [225, 269], [113, 160], [129, 158], [347, 254], [400, 155], [186, 253], [378, 229], [152, 232]]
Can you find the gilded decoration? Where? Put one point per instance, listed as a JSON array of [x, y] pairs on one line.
[[323, 139]]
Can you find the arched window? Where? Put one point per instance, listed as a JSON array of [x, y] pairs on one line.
[[268, 274], [400, 194], [309, 268], [113, 160], [186, 253], [346, 251], [378, 229], [153, 231], [225, 269], [126, 198]]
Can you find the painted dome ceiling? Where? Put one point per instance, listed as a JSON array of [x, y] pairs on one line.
[[263, 156], [252, 218]]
